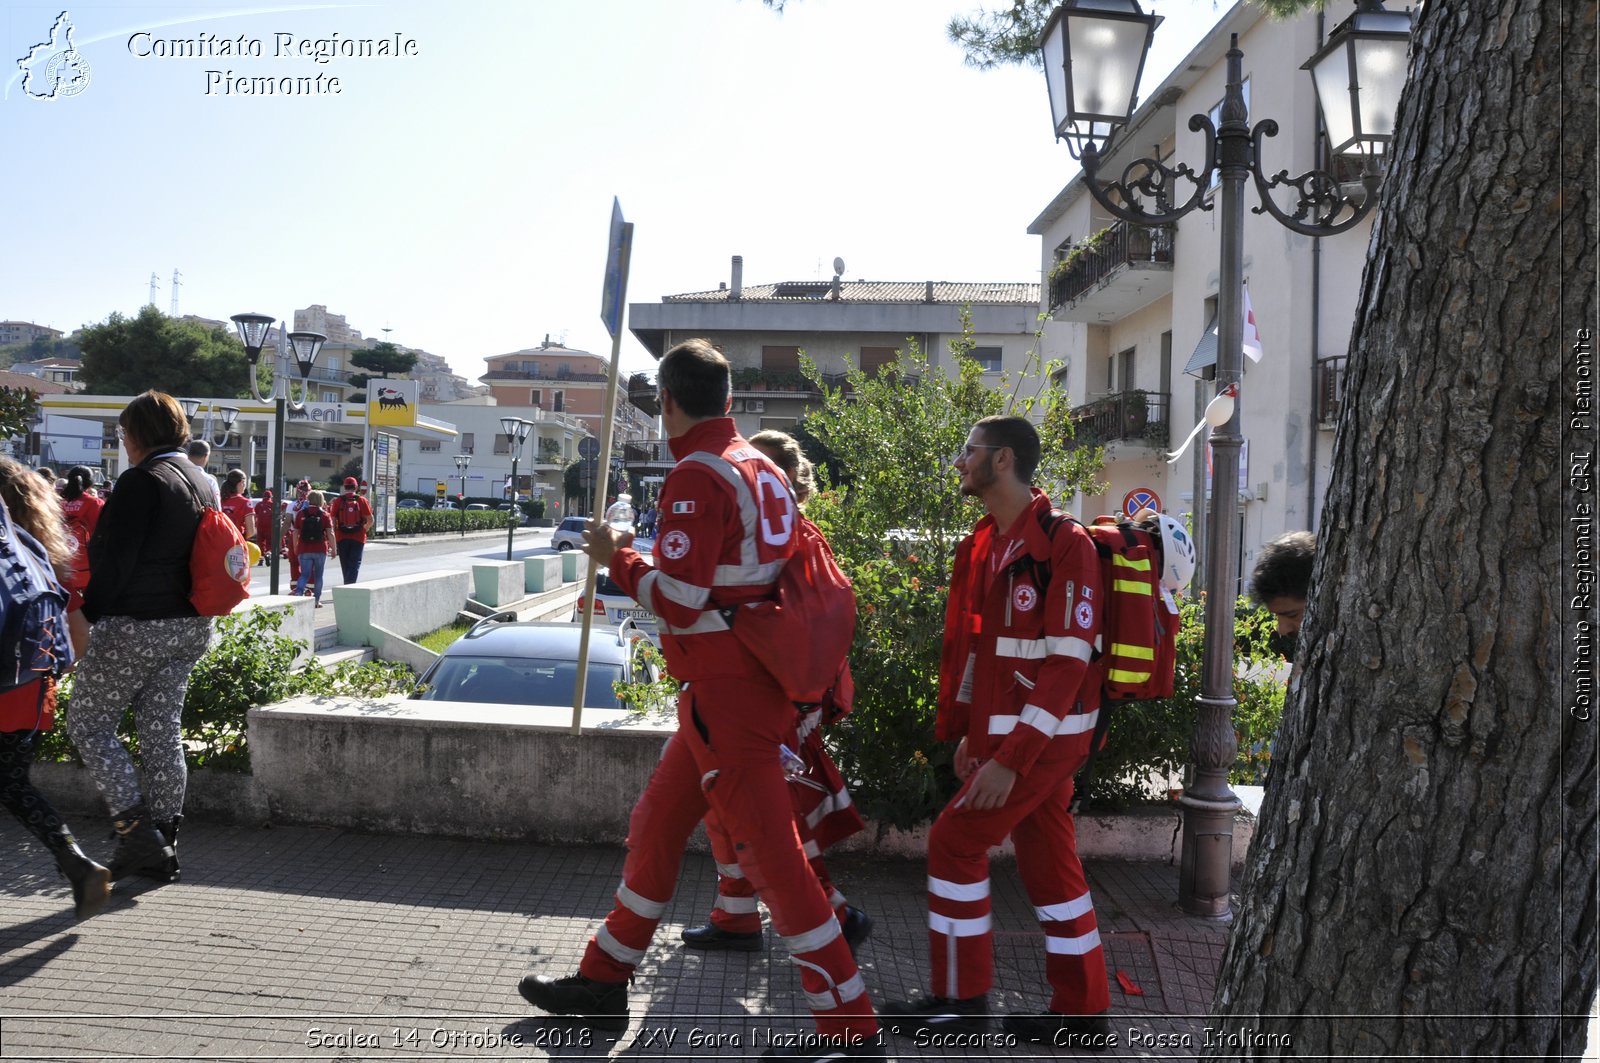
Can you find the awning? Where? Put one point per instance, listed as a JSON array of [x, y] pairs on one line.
[[1203, 362]]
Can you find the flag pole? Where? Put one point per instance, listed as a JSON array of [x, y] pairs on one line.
[[612, 302]]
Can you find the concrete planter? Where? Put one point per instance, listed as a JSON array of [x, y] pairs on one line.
[[227, 797]]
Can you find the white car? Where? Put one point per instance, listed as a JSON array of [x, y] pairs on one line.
[[569, 536], [612, 607], [444, 503]]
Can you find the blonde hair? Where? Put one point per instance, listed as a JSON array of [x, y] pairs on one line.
[[784, 450], [316, 498], [36, 508]]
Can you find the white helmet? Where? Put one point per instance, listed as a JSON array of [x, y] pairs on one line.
[[1177, 553]]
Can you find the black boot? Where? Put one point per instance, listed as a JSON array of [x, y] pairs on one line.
[[91, 883], [169, 831], [141, 850]]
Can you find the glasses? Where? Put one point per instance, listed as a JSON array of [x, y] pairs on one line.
[[968, 450], [121, 433]]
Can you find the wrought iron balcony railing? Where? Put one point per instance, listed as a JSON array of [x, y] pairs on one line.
[[1129, 416], [1123, 244]]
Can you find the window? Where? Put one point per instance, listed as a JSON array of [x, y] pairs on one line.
[[429, 446], [558, 401], [780, 357], [326, 463], [988, 358], [466, 442], [330, 396], [502, 445], [873, 359], [536, 397]]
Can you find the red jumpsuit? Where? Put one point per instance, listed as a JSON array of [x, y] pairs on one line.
[[1015, 681], [726, 530], [81, 515], [264, 526]]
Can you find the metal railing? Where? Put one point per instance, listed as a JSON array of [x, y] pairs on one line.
[[1128, 416], [1123, 244], [1330, 390]]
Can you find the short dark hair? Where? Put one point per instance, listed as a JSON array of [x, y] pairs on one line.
[[1284, 568], [698, 377], [155, 421], [79, 479], [1017, 434], [234, 483]]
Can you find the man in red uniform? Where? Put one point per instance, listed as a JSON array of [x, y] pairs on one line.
[[264, 526], [352, 520], [726, 531], [1017, 691]]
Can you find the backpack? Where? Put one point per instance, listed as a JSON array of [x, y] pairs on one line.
[[350, 518], [802, 635], [313, 525], [33, 610], [1136, 655], [219, 561]]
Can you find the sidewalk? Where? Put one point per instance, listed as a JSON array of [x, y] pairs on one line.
[[311, 943]]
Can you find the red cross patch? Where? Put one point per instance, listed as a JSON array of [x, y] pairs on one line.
[[1025, 598]]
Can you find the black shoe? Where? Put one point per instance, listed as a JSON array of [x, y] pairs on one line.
[[712, 936], [91, 883], [941, 1014], [857, 927], [1087, 1033], [600, 1005], [171, 872], [141, 850], [819, 1048]]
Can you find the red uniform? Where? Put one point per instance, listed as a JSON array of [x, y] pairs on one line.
[[264, 525], [726, 530], [238, 507], [1015, 681], [81, 515]]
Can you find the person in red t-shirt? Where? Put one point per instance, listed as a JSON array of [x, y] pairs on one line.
[[313, 536], [264, 526], [352, 519], [80, 508], [236, 502]]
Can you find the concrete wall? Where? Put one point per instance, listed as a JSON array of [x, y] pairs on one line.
[[483, 771], [498, 583], [406, 605]]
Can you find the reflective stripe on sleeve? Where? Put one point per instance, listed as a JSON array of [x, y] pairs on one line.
[[646, 590], [1026, 649], [676, 590], [1072, 946], [1041, 720], [1138, 653], [830, 804], [1069, 646], [808, 723], [958, 891]]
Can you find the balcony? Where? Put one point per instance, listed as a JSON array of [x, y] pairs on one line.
[[1129, 416], [653, 453], [501, 376], [1120, 270], [642, 393], [751, 380]]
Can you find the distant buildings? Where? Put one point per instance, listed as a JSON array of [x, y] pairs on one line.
[[567, 381], [25, 332]]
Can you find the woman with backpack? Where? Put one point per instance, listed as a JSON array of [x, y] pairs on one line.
[[236, 503], [313, 533], [29, 709], [80, 506], [147, 636]]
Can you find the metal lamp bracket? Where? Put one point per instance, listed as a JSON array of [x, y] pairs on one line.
[[1320, 196], [1153, 181]]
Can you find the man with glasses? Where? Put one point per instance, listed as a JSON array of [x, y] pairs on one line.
[[1018, 695]]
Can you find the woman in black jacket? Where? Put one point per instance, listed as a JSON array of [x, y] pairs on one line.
[[146, 636]]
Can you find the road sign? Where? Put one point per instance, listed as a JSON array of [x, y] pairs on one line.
[[440, 488], [1140, 498], [618, 247], [588, 448]]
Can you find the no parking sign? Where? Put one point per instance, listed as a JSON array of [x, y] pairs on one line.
[[1140, 498]]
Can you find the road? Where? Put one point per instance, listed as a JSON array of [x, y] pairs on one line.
[[386, 558]]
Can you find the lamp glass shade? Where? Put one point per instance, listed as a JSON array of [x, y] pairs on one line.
[[1358, 75], [306, 346], [230, 414], [508, 425], [1093, 53], [190, 407], [253, 329]]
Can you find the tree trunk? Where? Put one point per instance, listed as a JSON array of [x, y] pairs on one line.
[[1423, 880]]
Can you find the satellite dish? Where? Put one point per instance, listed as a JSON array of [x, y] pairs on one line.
[[838, 267]]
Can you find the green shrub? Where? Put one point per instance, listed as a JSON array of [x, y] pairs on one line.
[[425, 521], [248, 664]]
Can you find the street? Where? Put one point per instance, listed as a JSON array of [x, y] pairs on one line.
[[403, 556]]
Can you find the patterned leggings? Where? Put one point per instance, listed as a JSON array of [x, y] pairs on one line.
[[32, 809], [146, 664]]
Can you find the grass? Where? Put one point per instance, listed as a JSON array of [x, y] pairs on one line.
[[438, 640]]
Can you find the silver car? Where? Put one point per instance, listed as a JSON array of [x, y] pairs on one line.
[[503, 661]]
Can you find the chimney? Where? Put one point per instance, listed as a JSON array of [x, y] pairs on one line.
[[738, 279], [927, 295]]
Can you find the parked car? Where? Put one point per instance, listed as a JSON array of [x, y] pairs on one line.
[[477, 505], [444, 503], [409, 503], [503, 661], [522, 514], [569, 534], [613, 607]]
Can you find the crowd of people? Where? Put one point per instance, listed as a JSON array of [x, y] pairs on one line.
[[132, 635]]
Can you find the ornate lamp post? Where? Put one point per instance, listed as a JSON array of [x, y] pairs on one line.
[[462, 461], [516, 430], [1093, 54], [253, 330]]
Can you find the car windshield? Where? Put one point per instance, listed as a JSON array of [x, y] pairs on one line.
[[520, 681]]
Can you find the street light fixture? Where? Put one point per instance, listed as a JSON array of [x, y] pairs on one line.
[[516, 430], [462, 461], [1090, 63], [254, 330]]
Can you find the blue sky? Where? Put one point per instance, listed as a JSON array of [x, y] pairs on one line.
[[460, 196]]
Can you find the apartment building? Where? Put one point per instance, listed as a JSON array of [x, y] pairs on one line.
[[564, 380], [1132, 311]]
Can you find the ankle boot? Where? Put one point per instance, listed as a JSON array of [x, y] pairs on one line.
[[169, 831], [141, 850], [91, 883]]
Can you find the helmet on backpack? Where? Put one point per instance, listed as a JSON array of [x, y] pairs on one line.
[[1177, 553]]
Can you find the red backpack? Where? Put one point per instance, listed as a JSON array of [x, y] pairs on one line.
[[350, 517], [219, 561], [803, 634]]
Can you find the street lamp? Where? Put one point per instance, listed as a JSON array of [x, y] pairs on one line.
[[253, 330], [1092, 63], [516, 430], [462, 461]]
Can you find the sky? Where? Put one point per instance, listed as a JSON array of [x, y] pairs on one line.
[[459, 194]]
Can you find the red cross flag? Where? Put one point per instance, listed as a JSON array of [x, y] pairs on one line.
[[1252, 335]]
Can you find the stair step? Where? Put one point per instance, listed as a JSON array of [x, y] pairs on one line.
[[351, 654]]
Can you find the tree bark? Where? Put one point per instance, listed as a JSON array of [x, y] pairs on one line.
[[1423, 879]]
